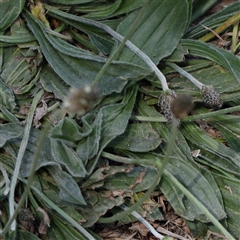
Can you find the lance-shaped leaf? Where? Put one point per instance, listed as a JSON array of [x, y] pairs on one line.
[[159, 30], [10, 131], [216, 153], [181, 166], [231, 195], [215, 54], [9, 11], [78, 67], [7, 98], [69, 189], [68, 157], [137, 138], [114, 121]]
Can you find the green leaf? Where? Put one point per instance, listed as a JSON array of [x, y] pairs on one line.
[[45, 158], [69, 190], [19, 34], [67, 230], [229, 126], [215, 54], [207, 73], [25, 235], [136, 179], [9, 131], [231, 195], [137, 138], [181, 166], [128, 6], [21, 68], [51, 82], [178, 55], [67, 157], [159, 30], [213, 21], [114, 121], [7, 98], [104, 12], [88, 147], [67, 130], [95, 209], [9, 11], [193, 180], [200, 7], [66, 2], [78, 67], [217, 154], [98, 37]]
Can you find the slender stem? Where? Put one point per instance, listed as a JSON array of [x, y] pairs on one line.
[[121, 46], [157, 178], [21, 152], [32, 172], [61, 212], [148, 119], [185, 74], [193, 199], [211, 114], [120, 38]]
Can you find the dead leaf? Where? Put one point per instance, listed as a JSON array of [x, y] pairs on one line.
[[39, 113], [45, 223], [139, 227], [138, 180]]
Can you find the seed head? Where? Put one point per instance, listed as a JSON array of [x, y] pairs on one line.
[[80, 99], [165, 102], [211, 97]]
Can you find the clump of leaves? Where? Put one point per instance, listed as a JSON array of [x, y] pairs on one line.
[[90, 164]]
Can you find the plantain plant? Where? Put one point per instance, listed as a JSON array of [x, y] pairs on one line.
[[95, 98]]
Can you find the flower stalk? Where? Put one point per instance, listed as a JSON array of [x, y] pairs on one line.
[[210, 95]]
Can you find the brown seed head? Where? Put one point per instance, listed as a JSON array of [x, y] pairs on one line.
[[165, 103], [211, 97]]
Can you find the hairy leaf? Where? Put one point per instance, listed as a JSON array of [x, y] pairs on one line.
[[9, 131], [158, 31], [9, 11], [69, 190], [79, 67], [137, 138], [7, 98], [68, 157], [218, 55]]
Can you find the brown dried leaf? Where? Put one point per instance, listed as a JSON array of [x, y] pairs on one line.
[[45, 223], [39, 113], [139, 227]]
